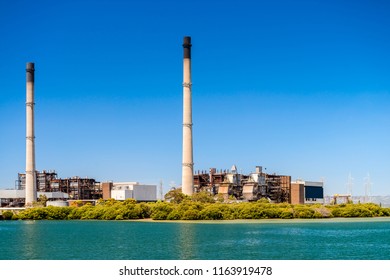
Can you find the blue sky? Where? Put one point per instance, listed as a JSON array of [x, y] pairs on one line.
[[301, 88]]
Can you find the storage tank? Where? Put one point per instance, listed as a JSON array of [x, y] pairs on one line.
[[58, 203]]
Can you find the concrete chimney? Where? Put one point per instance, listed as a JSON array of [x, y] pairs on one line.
[[31, 187], [188, 164]]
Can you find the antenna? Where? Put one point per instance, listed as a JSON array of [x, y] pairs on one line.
[[350, 184], [161, 190], [367, 188]]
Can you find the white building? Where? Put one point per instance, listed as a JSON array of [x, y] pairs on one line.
[[134, 190]]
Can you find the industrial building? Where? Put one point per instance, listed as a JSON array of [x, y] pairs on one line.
[[75, 189], [55, 189], [250, 187], [16, 198], [254, 186], [307, 192], [126, 190]]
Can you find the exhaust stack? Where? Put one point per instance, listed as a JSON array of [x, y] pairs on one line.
[[31, 187], [188, 164]]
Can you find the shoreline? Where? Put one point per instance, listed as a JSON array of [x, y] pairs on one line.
[[266, 221], [198, 212], [237, 221]]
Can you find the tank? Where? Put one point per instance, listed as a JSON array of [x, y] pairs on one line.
[[58, 203]]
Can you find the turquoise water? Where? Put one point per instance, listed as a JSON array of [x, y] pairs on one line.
[[335, 239]]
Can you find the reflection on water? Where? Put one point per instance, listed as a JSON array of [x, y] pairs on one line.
[[126, 240], [186, 241], [20, 239], [30, 241]]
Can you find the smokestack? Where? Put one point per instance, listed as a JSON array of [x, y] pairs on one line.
[[31, 187], [188, 164]]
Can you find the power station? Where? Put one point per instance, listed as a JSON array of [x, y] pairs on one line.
[[225, 183]]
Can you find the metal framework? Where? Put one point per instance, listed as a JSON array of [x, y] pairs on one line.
[[76, 187], [251, 187]]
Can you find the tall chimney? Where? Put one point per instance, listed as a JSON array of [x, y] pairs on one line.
[[188, 164], [31, 187]]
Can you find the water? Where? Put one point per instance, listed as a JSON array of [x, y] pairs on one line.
[[335, 239]]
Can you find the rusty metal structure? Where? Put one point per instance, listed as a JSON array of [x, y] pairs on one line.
[[76, 187], [250, 187], [43, 180]]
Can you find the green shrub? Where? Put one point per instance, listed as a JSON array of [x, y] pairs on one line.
[[190, 214], [337, 212], [258, 213], [193, 210], [128, 211], [119, 217], [7, 215], [33, 214], [385, 212], [244, 211], [161, 210], [211, 212], [352, 211], [57, 213], [286, 214], [263, 200], [203, 197], [77, 212], [174, 215], [375, 209], [303, 212], [129, 201], [145, 209], [176, 196], [359, 212], [108, 214], [272, 213]]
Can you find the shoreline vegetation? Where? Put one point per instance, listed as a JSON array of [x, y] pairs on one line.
[[198, 207]]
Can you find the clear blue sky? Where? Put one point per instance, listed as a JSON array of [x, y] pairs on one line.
[[299, 87]]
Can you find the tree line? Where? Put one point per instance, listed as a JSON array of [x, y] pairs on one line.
[[201, 206]]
